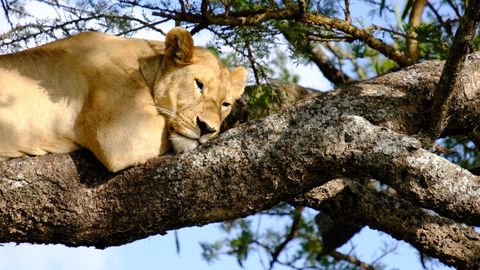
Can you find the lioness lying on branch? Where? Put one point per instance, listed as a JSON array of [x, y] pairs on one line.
[[126, 100]]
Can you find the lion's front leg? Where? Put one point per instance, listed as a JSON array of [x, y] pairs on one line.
[[126, 138]]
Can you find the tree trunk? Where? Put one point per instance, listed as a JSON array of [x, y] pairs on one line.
[[366, 129]]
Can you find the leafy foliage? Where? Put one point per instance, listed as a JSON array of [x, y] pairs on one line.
[[299, 241], [462, 151]]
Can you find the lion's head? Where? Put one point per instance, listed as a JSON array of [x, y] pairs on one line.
[[195, 90]]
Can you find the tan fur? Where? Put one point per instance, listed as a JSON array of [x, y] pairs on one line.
[[124, 99]]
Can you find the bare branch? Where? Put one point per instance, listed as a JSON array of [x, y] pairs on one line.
[[144, 26], [445, 25], [340, 54], [455, 8], [6, 10], [360, 34], [315, 54], [204, 8], [234, 19], [251, 59], [351, 259], [49, 29], [302, 7], [297, 215]]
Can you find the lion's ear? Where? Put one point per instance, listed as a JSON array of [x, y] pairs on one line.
[[179, 45], [239, 81]]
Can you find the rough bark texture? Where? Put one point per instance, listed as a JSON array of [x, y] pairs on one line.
[[452, 243], [451, 73], [361, 130]]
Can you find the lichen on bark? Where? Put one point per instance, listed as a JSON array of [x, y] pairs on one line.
[[362, 130]]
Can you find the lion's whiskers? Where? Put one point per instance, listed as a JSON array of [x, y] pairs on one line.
[[178, 117]]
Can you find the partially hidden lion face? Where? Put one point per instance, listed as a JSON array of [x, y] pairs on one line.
[[195, 91]]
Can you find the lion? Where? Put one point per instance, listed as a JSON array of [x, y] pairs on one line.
[[126, 100]]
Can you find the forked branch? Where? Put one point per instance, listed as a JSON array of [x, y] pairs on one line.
[[355, 203], [451, 73]]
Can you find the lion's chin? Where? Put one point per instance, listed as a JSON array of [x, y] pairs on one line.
[[181, 143]]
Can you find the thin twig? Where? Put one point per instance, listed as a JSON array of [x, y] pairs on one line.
[[446, 26], [455, 8], [389, 250], [297, 216], [6, 10], [351, 259], [306, 47], [339, 53], [347, 11], [387, 30], [251, 59], [46, 29], [133, 30]]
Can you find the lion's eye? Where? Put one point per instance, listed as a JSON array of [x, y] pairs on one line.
[[226, 104], [198, 86]]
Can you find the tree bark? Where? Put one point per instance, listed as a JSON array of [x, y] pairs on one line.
[[453, 68], [452, 243], [361, 130]]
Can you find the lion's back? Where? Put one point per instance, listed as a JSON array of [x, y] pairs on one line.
[[43, 89]]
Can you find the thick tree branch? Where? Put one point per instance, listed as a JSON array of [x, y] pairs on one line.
[[360, 34], [451, 73], [234, 19], [71, 200], [458, 245], [335, 233]]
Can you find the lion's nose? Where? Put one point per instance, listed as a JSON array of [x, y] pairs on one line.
[[204, 127]]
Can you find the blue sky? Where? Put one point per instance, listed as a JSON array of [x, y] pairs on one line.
[[159, 252]]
